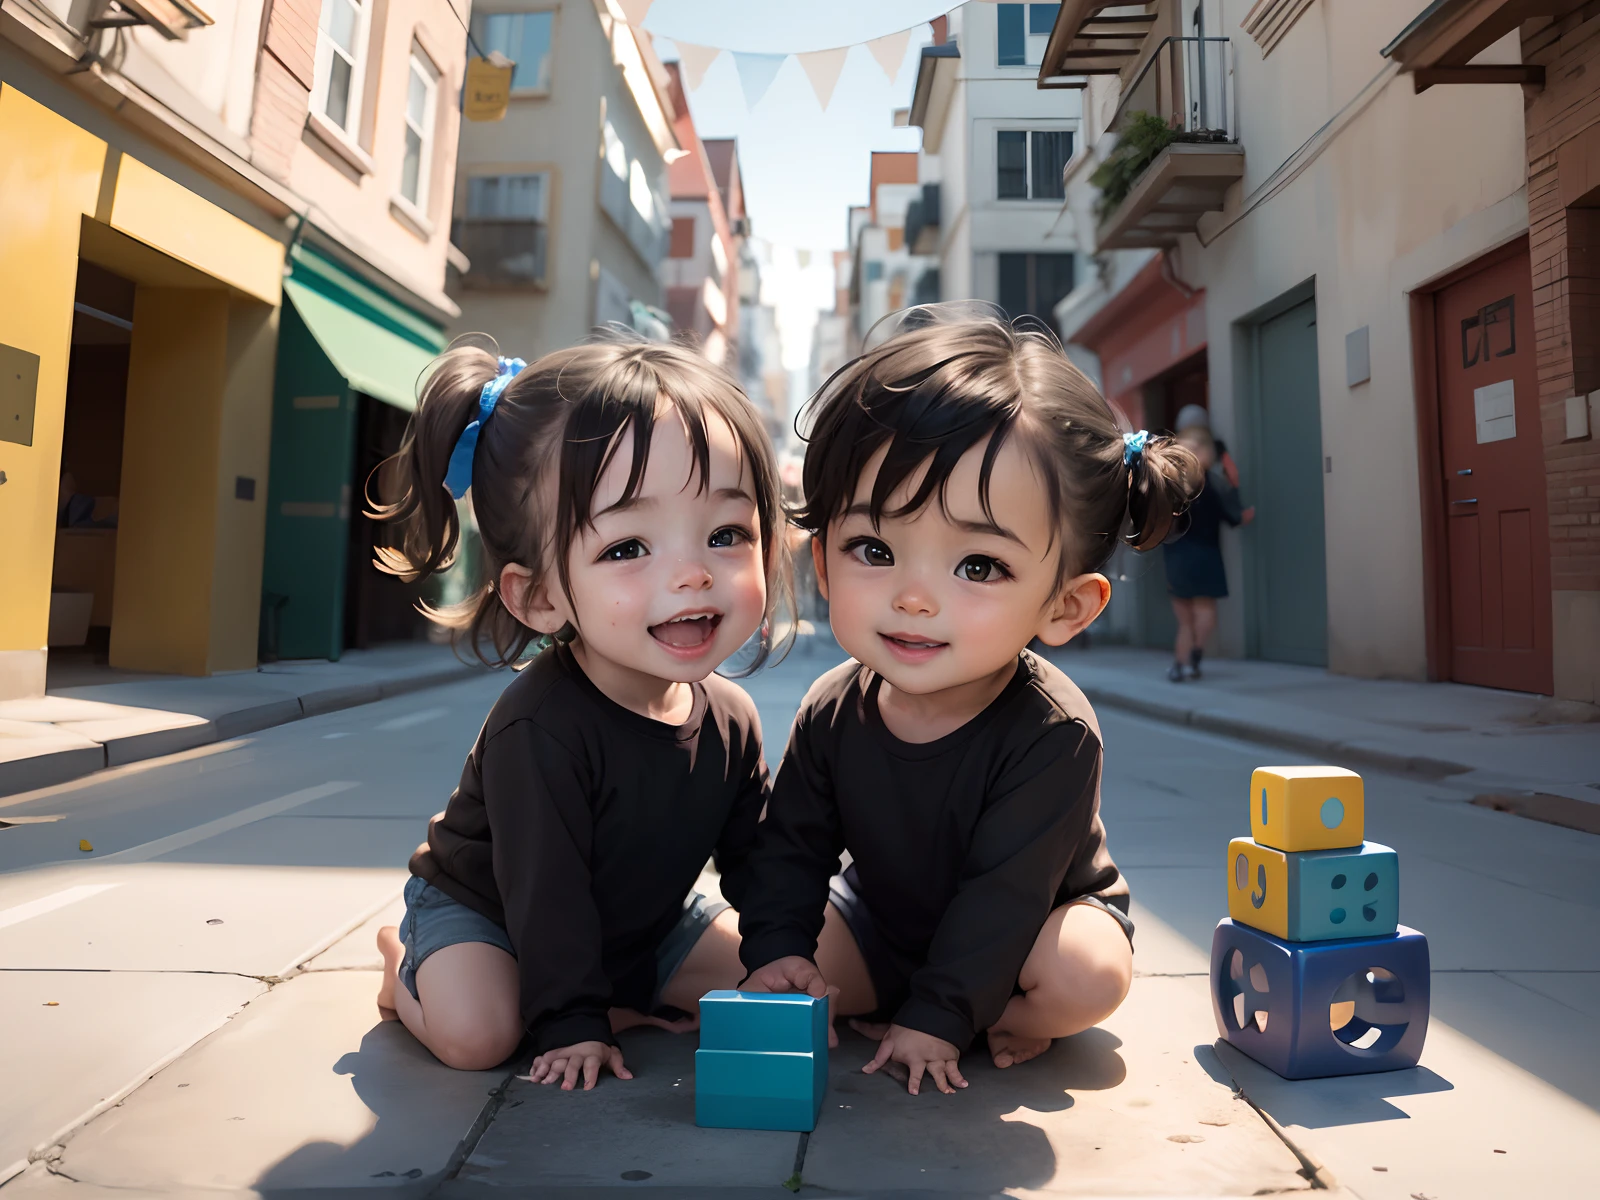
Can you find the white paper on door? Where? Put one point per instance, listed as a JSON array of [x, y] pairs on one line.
[[1495, 407]]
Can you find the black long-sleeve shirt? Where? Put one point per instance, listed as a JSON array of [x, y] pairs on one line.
[[961, 846], [581, 826]]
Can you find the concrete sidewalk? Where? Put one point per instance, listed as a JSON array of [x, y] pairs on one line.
[[1479, 738], [97, 717]]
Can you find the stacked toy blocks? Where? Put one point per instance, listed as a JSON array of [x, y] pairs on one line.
[[762, 1062], [1311, 973]]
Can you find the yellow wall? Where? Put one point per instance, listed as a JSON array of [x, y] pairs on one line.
[[49, 179], [167, 530], [199, 400], [246, 436]]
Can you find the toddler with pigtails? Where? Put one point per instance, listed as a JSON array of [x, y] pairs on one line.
[[965, 485], [627, 499]]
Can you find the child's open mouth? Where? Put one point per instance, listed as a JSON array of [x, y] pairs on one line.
[[911, 649], [689, 633]]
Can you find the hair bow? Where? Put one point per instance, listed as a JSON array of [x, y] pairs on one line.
[[458, 478]]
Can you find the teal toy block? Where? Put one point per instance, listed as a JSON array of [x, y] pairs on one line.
[[762, 1062], [1344, 893]]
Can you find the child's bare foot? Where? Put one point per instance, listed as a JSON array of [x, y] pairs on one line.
[[1009, 1049], [393, 950]]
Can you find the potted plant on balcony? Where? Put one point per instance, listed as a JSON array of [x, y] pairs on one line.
[[1142, 137]]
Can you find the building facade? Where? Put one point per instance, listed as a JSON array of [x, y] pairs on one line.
[[155, 188], [993, 150], [702, 269], [563, 207], [1371, 355]]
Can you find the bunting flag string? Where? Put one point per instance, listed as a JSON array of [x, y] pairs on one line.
[[758, 70]]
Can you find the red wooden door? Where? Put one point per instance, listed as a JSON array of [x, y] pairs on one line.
[[1498, 539]]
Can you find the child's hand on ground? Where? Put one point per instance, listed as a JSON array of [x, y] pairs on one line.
[[919, 1052], [585, 1059]]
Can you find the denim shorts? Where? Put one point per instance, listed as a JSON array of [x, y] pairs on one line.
[[891, 986], [434, 920]]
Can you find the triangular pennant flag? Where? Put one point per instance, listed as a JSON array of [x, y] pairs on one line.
[[890, 51], [633, 11], [822, 67], [696, 61], [756, 73]]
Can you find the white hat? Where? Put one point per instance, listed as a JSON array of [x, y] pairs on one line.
[[1192, 416]]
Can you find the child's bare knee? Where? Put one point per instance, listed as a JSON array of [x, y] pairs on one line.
[[476, 1047]]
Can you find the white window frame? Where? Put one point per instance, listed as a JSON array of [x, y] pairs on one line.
[[1027, 169], [323, 78], [422, 67]]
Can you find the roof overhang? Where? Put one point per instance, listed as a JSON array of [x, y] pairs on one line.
[[930, 99], [1440, 44], [1094, 37]]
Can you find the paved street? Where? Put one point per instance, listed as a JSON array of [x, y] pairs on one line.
[[188, 1006]]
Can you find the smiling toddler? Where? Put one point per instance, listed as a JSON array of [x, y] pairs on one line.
[[964, 485]]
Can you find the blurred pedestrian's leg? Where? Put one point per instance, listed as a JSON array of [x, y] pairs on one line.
[[1184, 610], [1203, 622]]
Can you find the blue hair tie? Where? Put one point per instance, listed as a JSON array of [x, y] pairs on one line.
[[1133, 446], [458, 478]]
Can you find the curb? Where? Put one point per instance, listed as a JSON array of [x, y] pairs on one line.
[[62, 766], [1255, 731]]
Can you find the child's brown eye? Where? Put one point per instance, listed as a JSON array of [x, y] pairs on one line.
[[980, 568], [872, 552], [624, 551], [728, 536]]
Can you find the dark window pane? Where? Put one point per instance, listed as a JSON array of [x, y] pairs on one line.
[[1053, 276], [1051, 149], [1011, 160], [338, 91], [1013, 44], [1042, 17], [1014, 284]]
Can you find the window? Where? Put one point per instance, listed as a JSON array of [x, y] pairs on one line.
[[872, 270], [505, 227], [1033, 284], [1029, 163], [522, 37], [340, 62], [1023, 30], [422, 90], [682, 243]]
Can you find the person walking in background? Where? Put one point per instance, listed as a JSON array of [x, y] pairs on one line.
[[1195, 575]]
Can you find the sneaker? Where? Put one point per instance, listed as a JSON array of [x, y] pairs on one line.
[[1175, 673]]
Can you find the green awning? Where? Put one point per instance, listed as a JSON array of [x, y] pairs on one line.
[[378, 345]]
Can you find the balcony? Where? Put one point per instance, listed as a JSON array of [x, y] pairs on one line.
[[503, 253], [616, 200], [922, 222], [1177, 147]]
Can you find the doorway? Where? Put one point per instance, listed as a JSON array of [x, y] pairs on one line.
[[83, 573], [1495, 551], [1286, 561]]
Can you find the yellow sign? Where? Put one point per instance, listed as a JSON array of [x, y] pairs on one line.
[[488, 87]]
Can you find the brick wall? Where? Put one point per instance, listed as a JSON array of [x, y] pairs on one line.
[[283, 83], [1563, 126]]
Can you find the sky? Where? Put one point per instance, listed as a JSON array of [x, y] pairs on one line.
[[802, 167]]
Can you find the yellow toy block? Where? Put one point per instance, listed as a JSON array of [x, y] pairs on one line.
[[1258, 887], [1306, 808]]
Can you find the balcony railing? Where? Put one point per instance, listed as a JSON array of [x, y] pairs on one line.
[[922, 221], [503, 253], [1177, 149]]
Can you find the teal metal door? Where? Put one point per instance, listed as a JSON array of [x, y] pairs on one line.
[[308, 514], [1288, 612]]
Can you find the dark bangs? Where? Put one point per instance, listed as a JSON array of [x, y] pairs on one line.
[[930, 395]]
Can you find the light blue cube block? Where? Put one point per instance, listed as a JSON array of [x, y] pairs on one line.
[[762, 1062], [1348, 893], [790, 1022], [754, 1089]]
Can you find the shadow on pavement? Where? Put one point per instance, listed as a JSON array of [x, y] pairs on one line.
[[1319, 1103]]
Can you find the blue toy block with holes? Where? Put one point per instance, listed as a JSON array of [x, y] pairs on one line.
[[1312, 1009], [762, 1061]]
